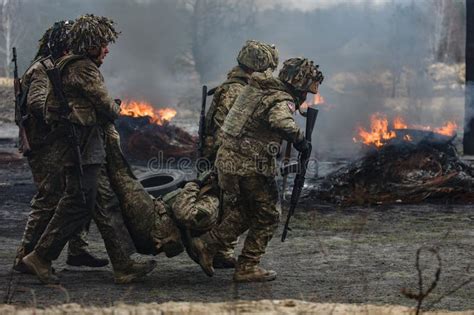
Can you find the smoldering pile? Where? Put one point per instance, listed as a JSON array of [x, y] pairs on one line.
[[142, 140], [426, 168]]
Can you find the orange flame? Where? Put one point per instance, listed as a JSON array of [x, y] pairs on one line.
[[399, 123], [144, 109], [448, 129], [380, 132], [317, 100]]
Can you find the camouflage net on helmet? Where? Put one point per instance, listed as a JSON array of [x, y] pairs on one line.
[[43, 49], [59, 38], [258, 56], [302, 74], [90, 31]]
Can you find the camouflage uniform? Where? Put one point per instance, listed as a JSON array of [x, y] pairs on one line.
[[44, 167], [154, 224], [254, 56], [91, 108], [262, 116]]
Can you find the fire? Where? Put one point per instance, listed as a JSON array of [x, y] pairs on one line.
[[381, 131], [317, 100], [448, 129], [144, 109], [378, 133], [399, 123]]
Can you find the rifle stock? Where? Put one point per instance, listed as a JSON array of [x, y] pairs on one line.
[[21, 113], [202, 122], [311, 116], [54, 76]]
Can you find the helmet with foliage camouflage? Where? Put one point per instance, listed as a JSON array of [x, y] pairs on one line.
[[258, 56], [43, 49], [59, 38], [90, 31], [302, 74]]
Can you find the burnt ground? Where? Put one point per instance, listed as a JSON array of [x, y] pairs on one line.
[[351, 255]]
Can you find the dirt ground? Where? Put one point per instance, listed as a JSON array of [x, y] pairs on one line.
[[352, 255]]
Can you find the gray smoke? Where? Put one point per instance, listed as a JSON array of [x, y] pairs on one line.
[[375, 54]]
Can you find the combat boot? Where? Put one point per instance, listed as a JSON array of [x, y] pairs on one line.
[[202, 253], [134, 270], [18, 264], [86, 259], [253, 273], [224, 262], [40, 267]]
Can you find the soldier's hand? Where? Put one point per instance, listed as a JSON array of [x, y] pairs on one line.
[[118, 101], [302, 146]]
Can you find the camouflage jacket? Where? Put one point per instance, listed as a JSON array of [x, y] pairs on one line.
[[35, 83], [193, 207], [262, 116], [85, 91], [91, 108], [224, 97]]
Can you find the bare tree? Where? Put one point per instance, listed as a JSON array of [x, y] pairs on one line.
[[449, 30], [210, 19], [468, 140], [11, 31]]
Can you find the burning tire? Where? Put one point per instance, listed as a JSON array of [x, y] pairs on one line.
[[161, 183]]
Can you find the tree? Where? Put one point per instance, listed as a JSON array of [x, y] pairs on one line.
[[11, 31], [468, 140], [449, 31], [211, 21]]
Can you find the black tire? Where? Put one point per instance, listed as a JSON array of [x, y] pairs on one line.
[[163, 182]]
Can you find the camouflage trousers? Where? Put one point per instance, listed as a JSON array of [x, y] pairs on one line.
[[257, 210], [72, 213], [50, 185], [230, 206]]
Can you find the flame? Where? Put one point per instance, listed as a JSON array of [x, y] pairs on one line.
[[448, 129], [144, 109], [399, 123], [317, 100], [380, 132]]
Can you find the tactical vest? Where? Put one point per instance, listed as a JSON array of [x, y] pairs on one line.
[[52, 108], [240, 119], [246, 133], [210, 127]]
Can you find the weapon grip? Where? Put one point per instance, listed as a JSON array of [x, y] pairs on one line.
[[311, 116]]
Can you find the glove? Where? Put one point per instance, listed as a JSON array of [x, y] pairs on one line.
[[118, 101], [302, 146]]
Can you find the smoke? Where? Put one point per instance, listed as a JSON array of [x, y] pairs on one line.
[[375, 55]]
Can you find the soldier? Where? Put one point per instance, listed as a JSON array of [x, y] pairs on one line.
[[262, 116], [53, 45], [254, 56], [156, 225], [92, 111]]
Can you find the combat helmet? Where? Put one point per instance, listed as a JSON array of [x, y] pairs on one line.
[[302, 74], [43, 49], [91, 32], [58, 41], [258, 56]]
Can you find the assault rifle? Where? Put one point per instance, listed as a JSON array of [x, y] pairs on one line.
[[54, 76], [21, 113], [202, 122], [311, 116]]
